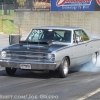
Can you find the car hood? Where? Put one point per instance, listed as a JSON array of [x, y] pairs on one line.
[[35, 47]]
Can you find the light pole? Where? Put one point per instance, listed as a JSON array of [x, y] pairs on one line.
[[2, 17], [2, 9]]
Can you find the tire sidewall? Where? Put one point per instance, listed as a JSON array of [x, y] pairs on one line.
[[10, 71], [61, 68], [93, 60]]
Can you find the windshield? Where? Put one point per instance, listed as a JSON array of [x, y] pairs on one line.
[[44, 35]]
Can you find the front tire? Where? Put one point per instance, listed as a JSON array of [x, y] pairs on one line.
[[10, 71], [63, 68]]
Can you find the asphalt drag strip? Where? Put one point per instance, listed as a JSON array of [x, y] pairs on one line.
[[27, 85]]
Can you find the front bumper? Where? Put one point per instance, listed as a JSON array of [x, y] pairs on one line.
[[34, 65]]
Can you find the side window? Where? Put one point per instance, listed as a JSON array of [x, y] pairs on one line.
[[81, 35], [85, 37], [78, 36]]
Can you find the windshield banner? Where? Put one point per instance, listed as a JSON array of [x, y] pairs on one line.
[[72, 5]]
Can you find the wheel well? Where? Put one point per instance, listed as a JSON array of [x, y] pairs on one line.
[[68, 59], [97, 53]]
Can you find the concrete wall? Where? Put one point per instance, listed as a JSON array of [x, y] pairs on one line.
[[87, 20]]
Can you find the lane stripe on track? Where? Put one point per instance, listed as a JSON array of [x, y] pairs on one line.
[[90, 94]]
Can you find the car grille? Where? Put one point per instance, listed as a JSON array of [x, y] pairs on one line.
[[26, 56]]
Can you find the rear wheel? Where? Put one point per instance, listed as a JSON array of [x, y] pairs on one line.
[[63, 68], [93, 60], [10, 71]]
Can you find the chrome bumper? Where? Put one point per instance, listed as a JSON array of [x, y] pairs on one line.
[[34, 65]]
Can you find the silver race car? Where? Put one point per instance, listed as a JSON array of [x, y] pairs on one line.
[[52, 48]]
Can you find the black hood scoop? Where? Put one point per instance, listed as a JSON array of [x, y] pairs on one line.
[[22, 42], [28, 44]]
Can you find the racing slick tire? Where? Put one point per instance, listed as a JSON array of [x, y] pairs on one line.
[[93, 60], [63, 69]]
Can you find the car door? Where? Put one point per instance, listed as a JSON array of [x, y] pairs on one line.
[[80, 47]]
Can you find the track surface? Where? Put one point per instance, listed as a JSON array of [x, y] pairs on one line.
[[27, 85]]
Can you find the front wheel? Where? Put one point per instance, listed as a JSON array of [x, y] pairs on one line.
[[10, 71], [63, 68]]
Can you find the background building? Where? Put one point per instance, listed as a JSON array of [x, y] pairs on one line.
[[28, 14]]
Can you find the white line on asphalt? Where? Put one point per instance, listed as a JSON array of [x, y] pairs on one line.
[[90, 94]]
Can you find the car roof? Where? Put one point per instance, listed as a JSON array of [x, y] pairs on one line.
[[58, 27]]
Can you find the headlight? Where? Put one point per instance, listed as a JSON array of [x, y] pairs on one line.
[[50, 56], [3, 54]]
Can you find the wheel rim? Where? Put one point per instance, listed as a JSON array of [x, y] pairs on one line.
[[65, 67], [94, 59]]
